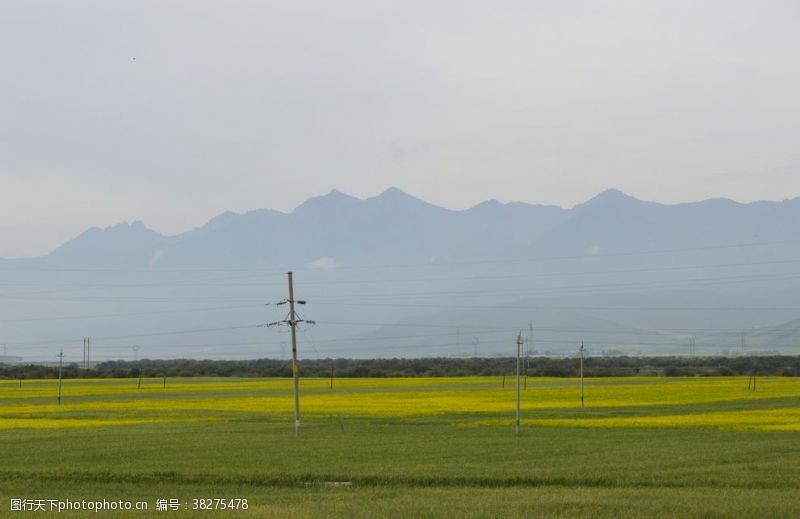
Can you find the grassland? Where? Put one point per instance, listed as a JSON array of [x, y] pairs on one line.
[[444, 447]]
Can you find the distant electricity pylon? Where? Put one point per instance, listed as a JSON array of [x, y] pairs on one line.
[[292, 320], [86, 353], [581, 374], [60, 362], [519, 355]]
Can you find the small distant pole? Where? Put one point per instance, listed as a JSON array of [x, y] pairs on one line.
[[20, 382], [139, 385], [742, 344], [581, 374], [530, 345], [165, 383], [331, 377], [88, 353], [60, 362], [525, 364], [84, 353], [503, 383], [691, 345], [519, 360]]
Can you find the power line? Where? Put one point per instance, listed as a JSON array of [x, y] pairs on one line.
[[141, 335], [409, 280], [127, 314], [407, 265]]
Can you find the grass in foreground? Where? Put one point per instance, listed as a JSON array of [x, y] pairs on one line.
[[425, 447]]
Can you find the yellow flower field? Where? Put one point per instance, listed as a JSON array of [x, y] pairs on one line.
[[471, 401]]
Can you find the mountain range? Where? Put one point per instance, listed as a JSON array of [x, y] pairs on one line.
[[394, 275]]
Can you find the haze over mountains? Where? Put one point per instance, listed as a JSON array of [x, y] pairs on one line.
[[393, 275]]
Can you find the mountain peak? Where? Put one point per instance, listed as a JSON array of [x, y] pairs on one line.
[[608, 198], [394, 193], [335, 193], [392, 190], [613, 194], [332, 200], [96, 244]]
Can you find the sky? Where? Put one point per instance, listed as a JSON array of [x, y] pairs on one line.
[[171, 112]]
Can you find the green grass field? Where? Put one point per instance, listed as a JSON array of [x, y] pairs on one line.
[[438, 447]]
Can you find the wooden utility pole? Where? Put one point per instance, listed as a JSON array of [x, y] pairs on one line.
[[292, 320], [581, 374], [60, 362], [519, 358], [295, 366]]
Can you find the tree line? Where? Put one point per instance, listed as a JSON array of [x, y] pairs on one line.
[[616, 366]]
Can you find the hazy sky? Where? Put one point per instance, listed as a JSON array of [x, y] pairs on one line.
[[171, 112]]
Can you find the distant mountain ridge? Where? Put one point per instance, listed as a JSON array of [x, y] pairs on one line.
[[399, 226], [393, 275]]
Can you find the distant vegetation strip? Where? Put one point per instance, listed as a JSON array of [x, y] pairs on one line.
[[617, 366]]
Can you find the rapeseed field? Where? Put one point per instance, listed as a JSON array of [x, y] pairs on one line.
[[422, 447]]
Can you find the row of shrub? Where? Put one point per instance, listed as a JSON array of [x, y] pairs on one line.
[[616, 366]]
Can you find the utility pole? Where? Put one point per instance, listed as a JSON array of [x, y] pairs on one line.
[[295, 367], [530, 345], [742, 344], [519, 353], [691, 345], [528, 352], [292, 320], [88, 353], [84, 353], [60, 362], [581, 374]]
